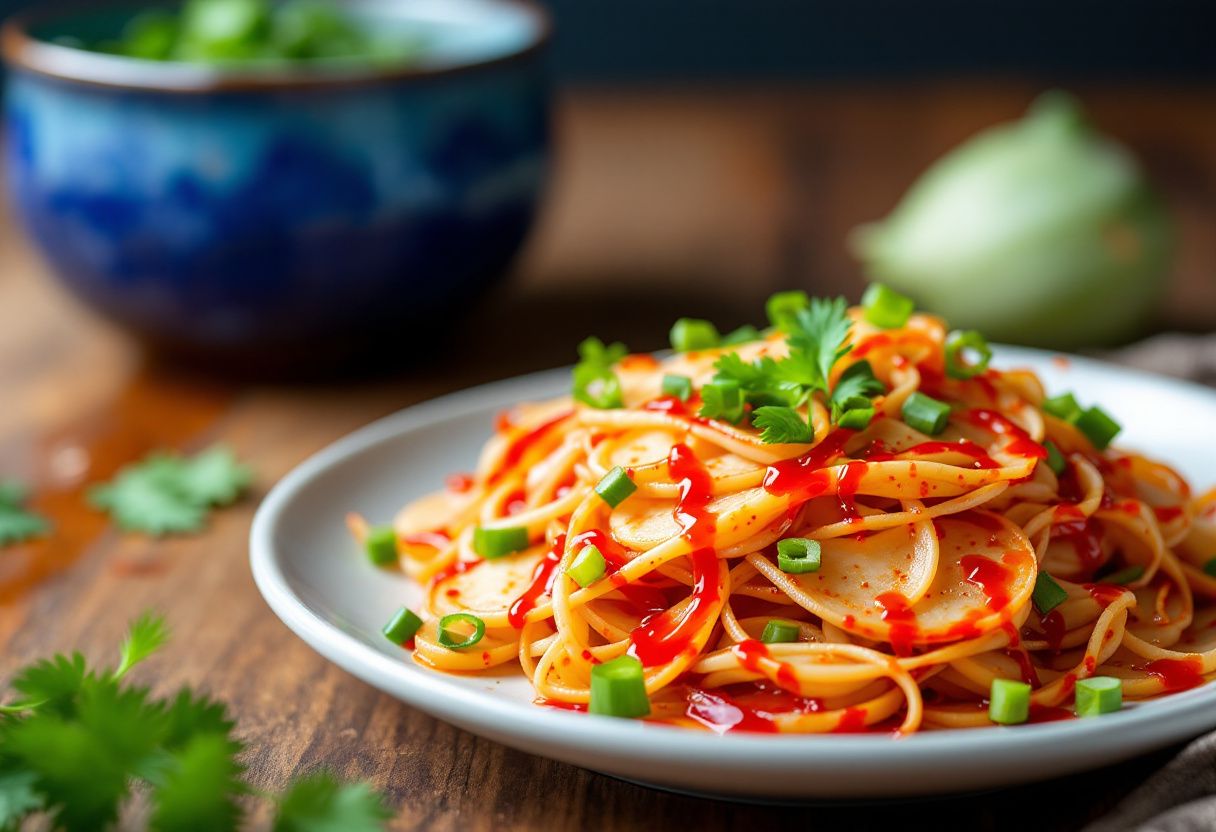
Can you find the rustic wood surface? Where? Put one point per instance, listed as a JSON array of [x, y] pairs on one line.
[[714, 197]]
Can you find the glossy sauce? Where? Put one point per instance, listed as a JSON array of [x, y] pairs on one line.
[[846, 489], [1020, 443], [804, 476], [667, 635], [1176, 674], [992, 578], [520, 444], [542, 584], [902, 622]]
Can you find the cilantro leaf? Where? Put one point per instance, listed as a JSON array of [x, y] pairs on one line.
[[145, 636], [816, 337], [54, 683], [17, 797], [594, 382], [190, 715], [13, 493], [198, 788], [71, 767], [781, 425], [854, 389], [18, 525], [167, 493], [758, 380], [212, 477], [138, 500], [319, 803]]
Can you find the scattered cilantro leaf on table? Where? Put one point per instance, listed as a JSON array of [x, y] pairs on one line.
[[319, 803], [171, 494], [77, 740], [17, 524]]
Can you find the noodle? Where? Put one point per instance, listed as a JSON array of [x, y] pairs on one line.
[[930, 546]]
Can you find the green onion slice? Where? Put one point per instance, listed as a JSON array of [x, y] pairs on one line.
[[1124, 576], [402, 626], [1047, 593], [783, 307], [678, 386], [381, 545], [925, 414], [1098, 695], [452, 640], [618, 688], [588, 566], [1063, 406], [615, 487], [1210, 567], [797, 555], [858, 418], [1009, 702], [957, 345], [689, 334], [597, 386], [777, 631], [722, 400], [1056, 461], [1098, 427], [886, 308], [496, 543]]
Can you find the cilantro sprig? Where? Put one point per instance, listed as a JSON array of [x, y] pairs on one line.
[[817, 333], [17, 523], [171, 494], [76, 742]]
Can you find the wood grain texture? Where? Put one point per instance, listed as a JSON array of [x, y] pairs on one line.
[[664, 203]]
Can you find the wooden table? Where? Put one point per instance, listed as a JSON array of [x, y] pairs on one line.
[[664, 203]]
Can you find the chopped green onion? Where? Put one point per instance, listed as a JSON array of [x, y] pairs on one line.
[[1055, 460], [1098, 695], [777, 631], [448, 638], [885, 307], [596, 385], [783, 308], [743, 335], [693, 334], [797, 555], [618, 688], [588, 566], [1210, 567], [858, 418], [1009, 702], [381, 545], [402, 626], [1124, 576], [1063, 407], [678, 386], [1098, 427], [1047, 593], [925, 413], [722, 399], [495, 543], [957, 345], [615, 487]]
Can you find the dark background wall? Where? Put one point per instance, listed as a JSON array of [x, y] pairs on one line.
[[690, 40]]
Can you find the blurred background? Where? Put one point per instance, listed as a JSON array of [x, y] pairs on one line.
[[703, 160]]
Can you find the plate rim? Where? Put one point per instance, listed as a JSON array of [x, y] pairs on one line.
[[1134, 730]]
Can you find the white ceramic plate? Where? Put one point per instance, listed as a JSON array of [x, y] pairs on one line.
[[316, 579]]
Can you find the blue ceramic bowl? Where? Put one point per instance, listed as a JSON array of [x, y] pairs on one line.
[[258, 211]]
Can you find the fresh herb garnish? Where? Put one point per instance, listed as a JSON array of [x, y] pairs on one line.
[[167, 493], [595, 383], [782, 424], [77, 740], [17, 523]]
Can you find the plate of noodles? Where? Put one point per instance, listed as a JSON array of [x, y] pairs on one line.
[[852, 554]]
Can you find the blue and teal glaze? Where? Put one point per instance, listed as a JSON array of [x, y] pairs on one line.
[[272, 217]]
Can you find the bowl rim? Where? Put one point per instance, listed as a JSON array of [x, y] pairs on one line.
[[22, 51]]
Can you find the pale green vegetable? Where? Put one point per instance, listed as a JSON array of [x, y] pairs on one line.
[[1041, 231]]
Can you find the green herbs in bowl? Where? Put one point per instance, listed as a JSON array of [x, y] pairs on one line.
[[228, 31]]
